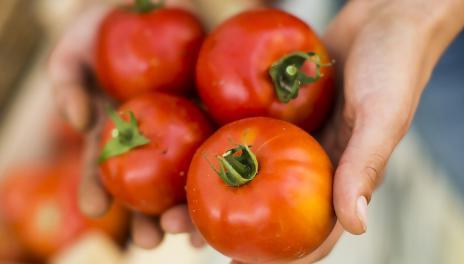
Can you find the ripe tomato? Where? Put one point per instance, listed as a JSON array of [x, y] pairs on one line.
[[147, 48], [232, 70], [151, 177], [11, 250], [39, 201], [260, 190]]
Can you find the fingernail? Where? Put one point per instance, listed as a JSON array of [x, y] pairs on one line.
[[361, 211]]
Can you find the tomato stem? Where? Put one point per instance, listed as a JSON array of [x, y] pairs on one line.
[[125, 136], [287, 76], [237, 166], [143, 6]]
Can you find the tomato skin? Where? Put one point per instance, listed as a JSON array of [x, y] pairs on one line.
[[284, 213], [232, 69], [152, 51], [151, 178], [39, 202], [11, 250]]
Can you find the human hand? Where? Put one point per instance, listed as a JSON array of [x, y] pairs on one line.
[[391, 41], [70, 71], [385, 52]]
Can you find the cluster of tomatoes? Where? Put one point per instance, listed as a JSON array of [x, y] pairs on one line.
[[220, 121], [259, 188]]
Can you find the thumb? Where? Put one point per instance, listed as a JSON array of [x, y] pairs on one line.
[[361, 166], [382, 89]]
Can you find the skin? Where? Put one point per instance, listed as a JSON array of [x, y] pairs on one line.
[[132, 59], [65, 137], [232, 73], [70, 64], [286, 210], [151, 178], [371, 41]]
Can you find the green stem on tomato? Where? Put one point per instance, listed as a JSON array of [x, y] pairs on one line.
[[125, 136], [287, 76], [237, 166], [143, 6]]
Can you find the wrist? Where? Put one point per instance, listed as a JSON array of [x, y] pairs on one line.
[[434, 24]]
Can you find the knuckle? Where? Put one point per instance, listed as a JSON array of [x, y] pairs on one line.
[[395, 118], [348, 118], [373, 171]]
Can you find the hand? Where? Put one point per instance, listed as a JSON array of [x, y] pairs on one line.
[[70, 67], [386, 51]]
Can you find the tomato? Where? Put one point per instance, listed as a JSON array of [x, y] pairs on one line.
[[260, 190], [147, 48], [39, 201], [150, 177], [11, 250], [233, 77]]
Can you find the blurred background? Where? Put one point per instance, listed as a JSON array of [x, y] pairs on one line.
[[417, 216]]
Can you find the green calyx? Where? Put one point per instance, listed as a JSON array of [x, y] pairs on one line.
[[125, 136], [287, 76], [143, 6], [237, 166]]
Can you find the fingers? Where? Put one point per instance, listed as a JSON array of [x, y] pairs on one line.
[[94, 200], [146, 231], [382, 89], [74, 103], [196, 239], [375, 134], [326, 247], [177, 220], [382, 113], [68, 64], [361, 169]]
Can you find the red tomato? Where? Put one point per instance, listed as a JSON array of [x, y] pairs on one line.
[[151, 177], [140, 51], [232, 70], [11, 250], [40, 203], [269, 199]]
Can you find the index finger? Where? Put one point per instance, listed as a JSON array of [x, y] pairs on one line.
[[67, 67], [94, 200]]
